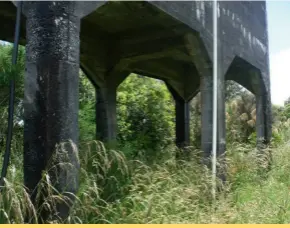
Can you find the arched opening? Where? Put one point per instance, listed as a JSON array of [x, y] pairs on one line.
[[250, 105], [240, 114], [145, 116]]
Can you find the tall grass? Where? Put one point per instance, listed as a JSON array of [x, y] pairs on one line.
[[115, 189]]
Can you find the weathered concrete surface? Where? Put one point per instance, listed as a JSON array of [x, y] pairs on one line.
[[51, 98], [182, 119], [167, 40], [160, 38], [242, 35], [106, 110]]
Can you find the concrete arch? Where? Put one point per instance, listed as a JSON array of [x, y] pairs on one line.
[[245, 74], [252, 79], [145, 31]]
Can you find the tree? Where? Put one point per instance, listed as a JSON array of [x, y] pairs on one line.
[[286, 102], [241, 117], [195, 116], [233, 90], [87, 101], [234, 93], [8, 72], [145, 113]]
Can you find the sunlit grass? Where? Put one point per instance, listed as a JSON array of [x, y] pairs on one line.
[[114, 189]]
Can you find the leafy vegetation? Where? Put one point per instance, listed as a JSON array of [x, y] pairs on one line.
[[145, 116], [141, 181]]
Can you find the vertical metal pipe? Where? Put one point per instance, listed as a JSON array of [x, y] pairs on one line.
[[12, 97], [214, 126]]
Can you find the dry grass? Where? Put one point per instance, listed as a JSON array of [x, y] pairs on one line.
[[116, 190]]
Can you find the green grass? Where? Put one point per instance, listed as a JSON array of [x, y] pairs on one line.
[[118, 190]]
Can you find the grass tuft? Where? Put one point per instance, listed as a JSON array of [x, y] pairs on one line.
[[115, 189]]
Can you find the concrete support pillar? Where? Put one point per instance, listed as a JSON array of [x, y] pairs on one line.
[[106, 114], [263, 114], [221, 114], [182, 118], [268, 118], [261, 120], [263, 123], [205, 69], [206, 87], [51, 98], [207, 114]]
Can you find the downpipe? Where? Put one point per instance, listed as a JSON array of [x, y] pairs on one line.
[[11, 99]]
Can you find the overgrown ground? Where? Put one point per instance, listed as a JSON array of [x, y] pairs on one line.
[[144, 183], [167, 191]]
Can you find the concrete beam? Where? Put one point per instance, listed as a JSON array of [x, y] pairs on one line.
[[7, 29], [58, 8], [156, 69], [144, 51], [138, 36], [93, 74], [84, 8], [198, 53], [191, 82]]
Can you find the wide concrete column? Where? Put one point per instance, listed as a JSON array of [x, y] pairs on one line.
[[51, 98], [206, 91], [206, 87], [106, 104], [204, 65], [106, 113], [182, 119]]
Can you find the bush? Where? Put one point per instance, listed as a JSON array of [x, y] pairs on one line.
[[145, 115]]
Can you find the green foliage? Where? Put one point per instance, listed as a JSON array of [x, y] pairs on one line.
[[145, 114], [123, 187], [195, 119], [241, 118], [286, 111], [287, 101], [233, 90], [87, 123], [252, 139], [116, 190], [276, 139], [8, 72], [278, 114]]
